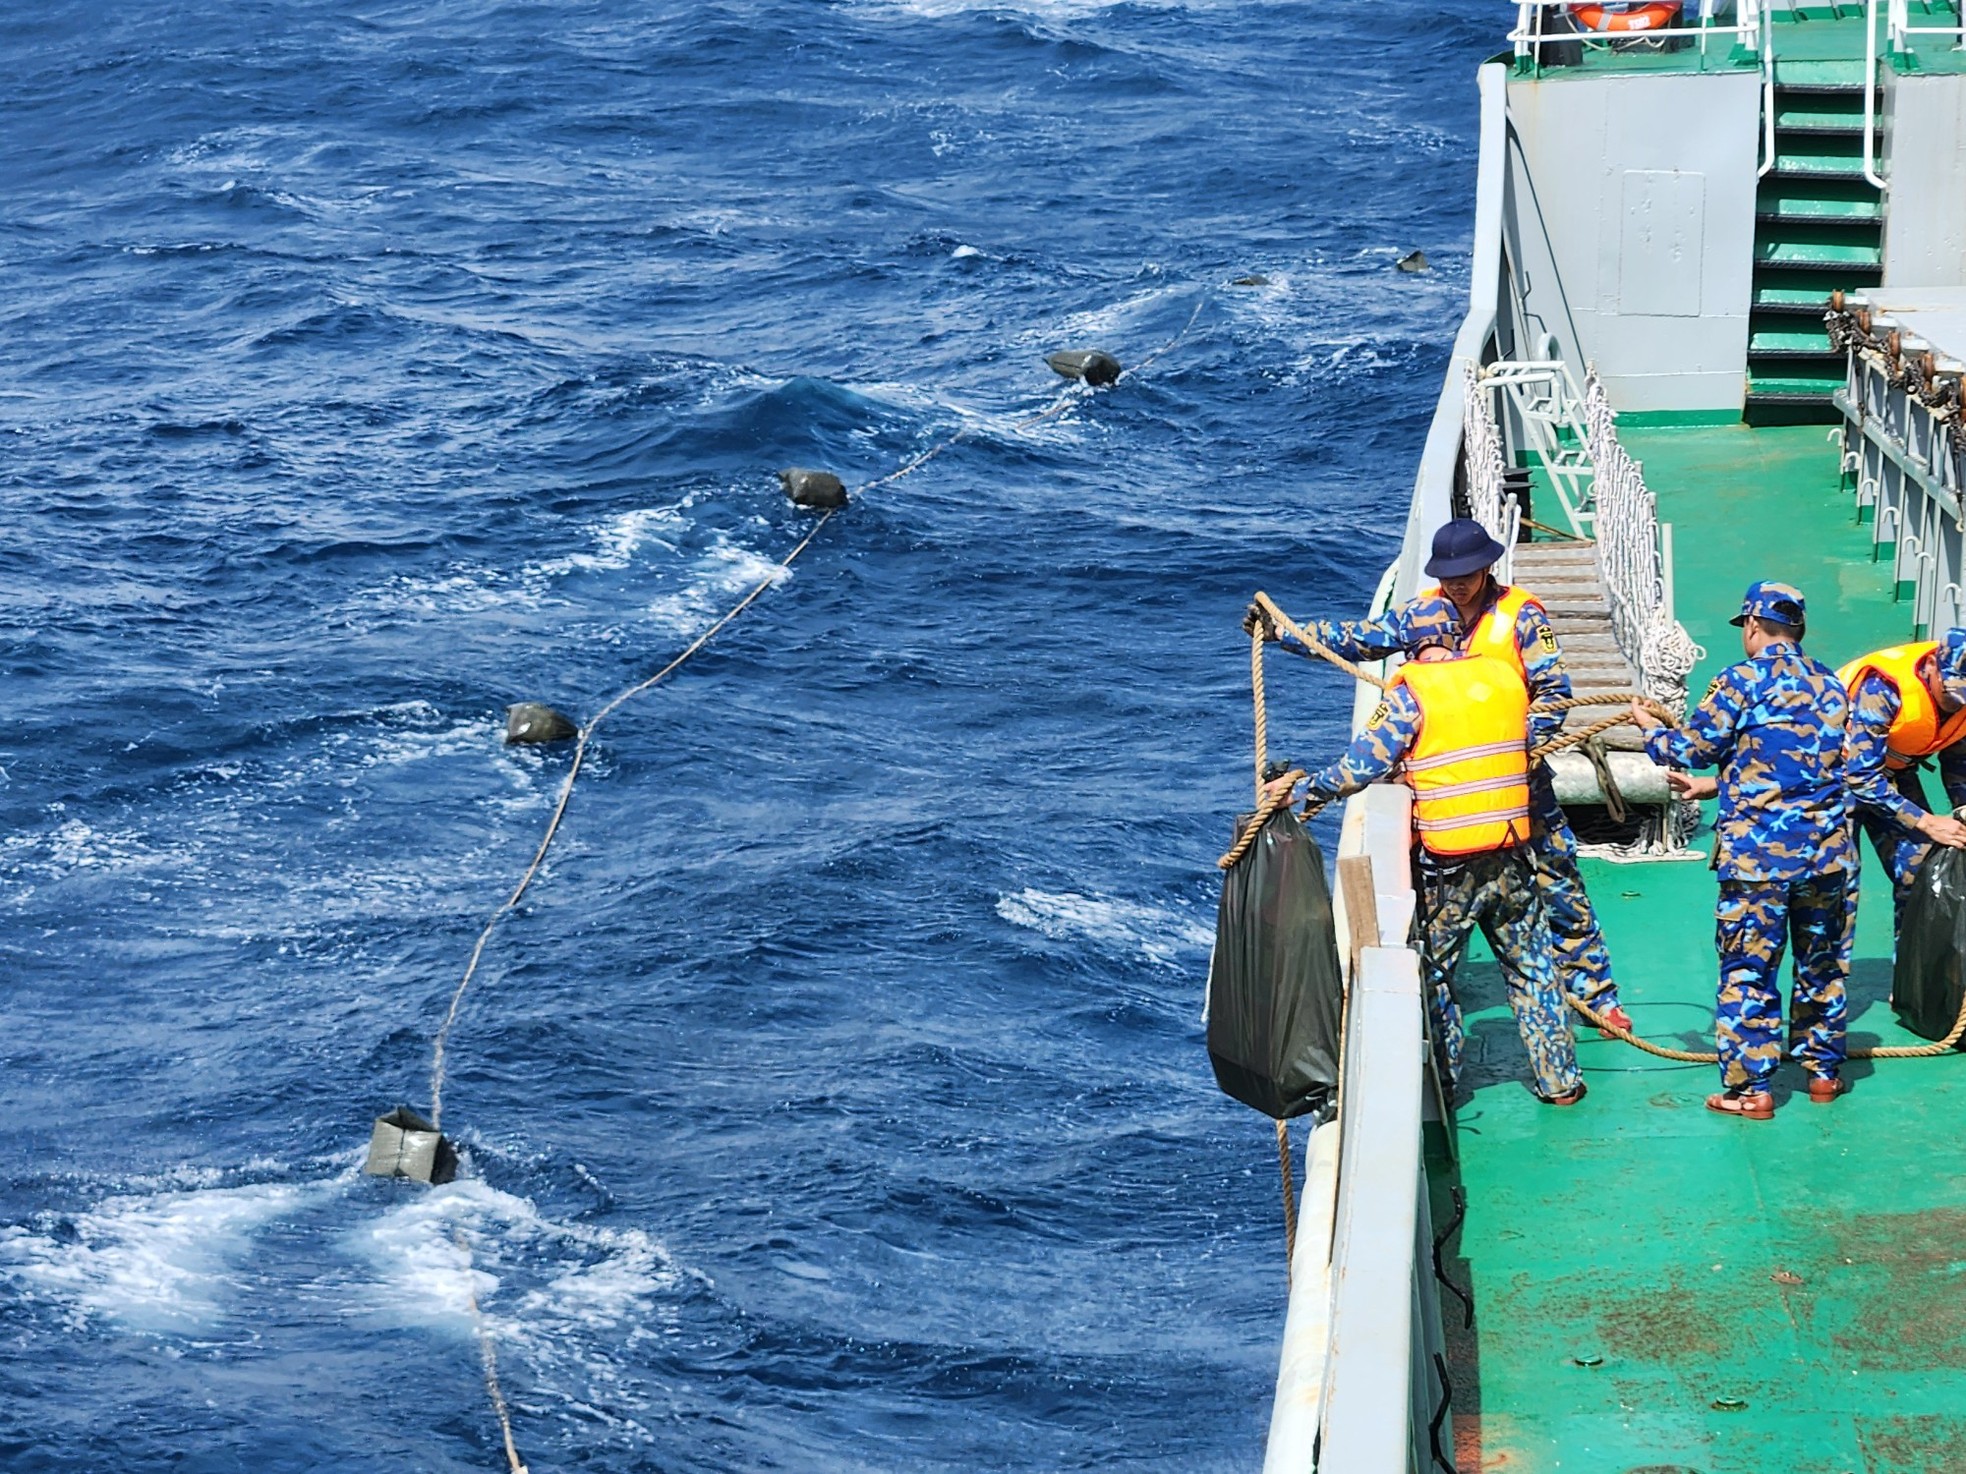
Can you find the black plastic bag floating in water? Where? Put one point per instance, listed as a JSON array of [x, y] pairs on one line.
[[1274, 992], [1930, 979]]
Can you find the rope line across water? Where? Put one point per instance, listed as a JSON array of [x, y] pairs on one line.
[[488, 1358], [1058, 406]]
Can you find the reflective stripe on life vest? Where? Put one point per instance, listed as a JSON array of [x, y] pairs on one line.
[[1917, 731], [1470, 766]]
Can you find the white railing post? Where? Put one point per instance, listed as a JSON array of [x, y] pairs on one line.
[[1870, 95]]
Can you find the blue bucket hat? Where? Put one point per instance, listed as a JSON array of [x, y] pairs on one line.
[[1780, 602], [1462, 546], [1434, 622], [1952, 664]]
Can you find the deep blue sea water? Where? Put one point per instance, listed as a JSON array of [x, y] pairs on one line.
[[837, 1099]]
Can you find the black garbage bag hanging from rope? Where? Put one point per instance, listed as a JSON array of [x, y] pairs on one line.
[[1928, 985], [1274, 991]]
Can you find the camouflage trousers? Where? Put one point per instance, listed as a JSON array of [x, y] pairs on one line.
[[1900, 850], [1753, 921], [1498, 892], [1583, 963]]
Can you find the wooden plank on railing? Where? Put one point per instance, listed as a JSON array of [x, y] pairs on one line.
[[1361, 905]]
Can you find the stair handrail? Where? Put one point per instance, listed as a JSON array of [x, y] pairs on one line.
[[1483, 469], [1899, 29], [1767, 94], [1633, 556], [1870, 96]]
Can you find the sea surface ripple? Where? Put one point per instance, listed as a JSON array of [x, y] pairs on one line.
[[836, 1101]]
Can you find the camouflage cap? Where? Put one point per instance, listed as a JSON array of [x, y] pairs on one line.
[[1780, 602], [1432, 622], [1952, 664]]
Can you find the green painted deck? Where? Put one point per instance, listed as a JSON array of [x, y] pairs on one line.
[[1638, 1263]]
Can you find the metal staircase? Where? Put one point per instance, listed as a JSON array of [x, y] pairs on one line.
[[1819, 221]]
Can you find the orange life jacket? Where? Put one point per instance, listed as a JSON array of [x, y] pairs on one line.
[[1919, 730], [1494, 632], [1470, 767]]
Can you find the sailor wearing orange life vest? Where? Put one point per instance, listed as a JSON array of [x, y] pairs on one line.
[[1459, 722], [1509, 623], [1907, 703]]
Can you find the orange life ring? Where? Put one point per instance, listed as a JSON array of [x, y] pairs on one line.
[[1655, 15]]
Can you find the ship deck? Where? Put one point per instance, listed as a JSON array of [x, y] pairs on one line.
[[1813, 43], [1661, 1288]]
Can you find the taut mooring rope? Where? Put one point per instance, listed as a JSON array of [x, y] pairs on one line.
[[487, 1351], [1058, 406], [488, 1358]]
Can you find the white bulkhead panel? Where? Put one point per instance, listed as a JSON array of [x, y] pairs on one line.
[[1663, 229]]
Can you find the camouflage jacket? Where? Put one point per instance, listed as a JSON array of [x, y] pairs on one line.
[[1374, 639], [1774, 727], [1385, 738], [1874, 706]]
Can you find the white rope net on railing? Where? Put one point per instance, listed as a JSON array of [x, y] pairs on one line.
[[1483, 467], [1630, 556]]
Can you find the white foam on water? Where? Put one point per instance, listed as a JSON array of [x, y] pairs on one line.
[[724, 571], [162, 1261], [560, 1301], [616, 542], [1161, 936], [535, 1279]]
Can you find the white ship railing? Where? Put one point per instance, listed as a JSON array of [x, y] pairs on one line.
[[1902, 30], [1634, 551], [1549, 412], [1907, 459], [1360, 1384], [1481, 454], [1746, 29]]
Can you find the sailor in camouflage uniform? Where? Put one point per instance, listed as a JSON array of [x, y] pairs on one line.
[[1773, 724], [1907, 705], [1509, 622], [1458, 721]]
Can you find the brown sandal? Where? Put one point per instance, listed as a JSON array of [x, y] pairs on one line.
[[1751, 1105], [1569, 1097], [1824, 1089]]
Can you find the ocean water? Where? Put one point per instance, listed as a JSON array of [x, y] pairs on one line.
[[836, 1099]]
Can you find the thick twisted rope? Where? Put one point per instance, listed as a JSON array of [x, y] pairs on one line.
[[488, 1358], [1316, 646], [1289, 1198]]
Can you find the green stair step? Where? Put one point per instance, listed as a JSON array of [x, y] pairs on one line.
[[1833, 166], [1788, 340], [1792, 297], [1837, 73], [1816, 253], [1818, 119], [1796, 384], [1821, 211]]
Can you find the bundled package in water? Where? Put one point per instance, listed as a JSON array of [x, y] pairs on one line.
[[1930, 981], [1274, 991]]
